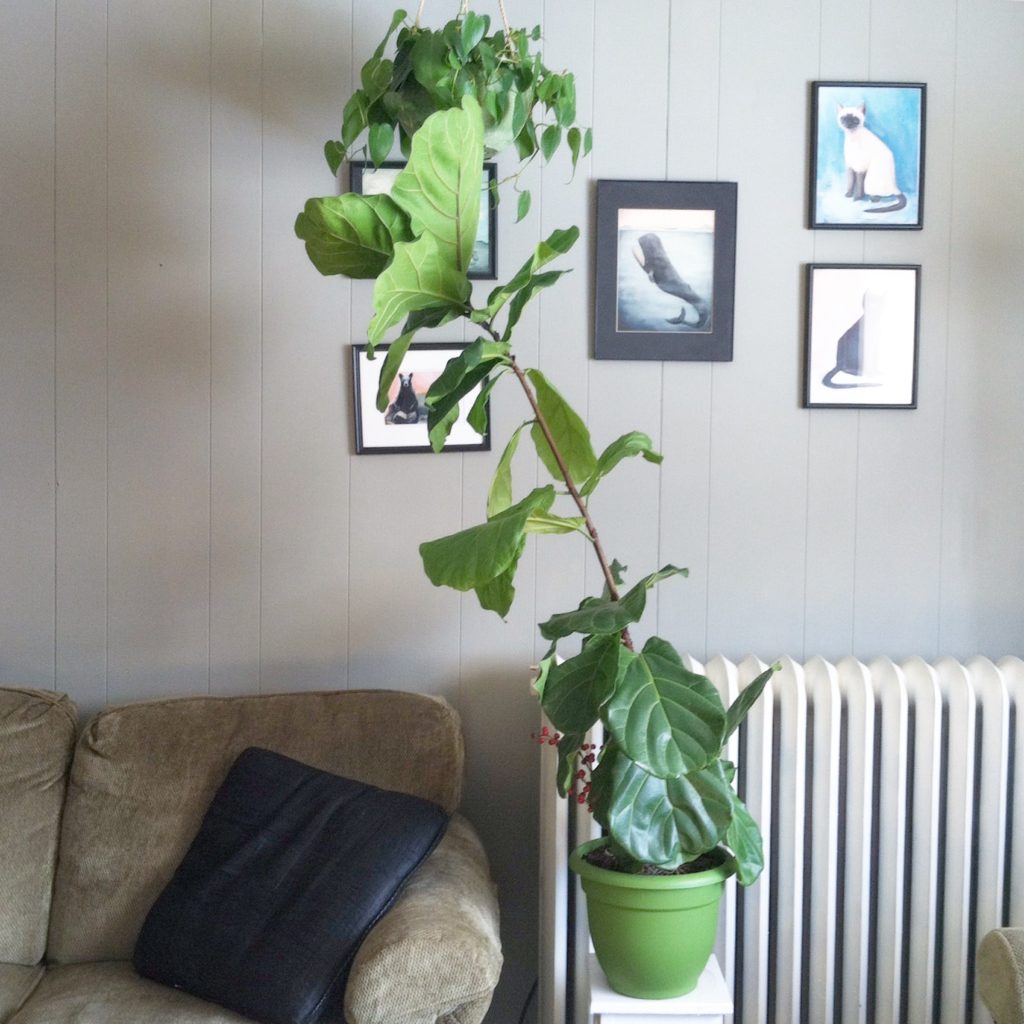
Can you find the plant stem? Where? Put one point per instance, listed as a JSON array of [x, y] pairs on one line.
[[595, 540]]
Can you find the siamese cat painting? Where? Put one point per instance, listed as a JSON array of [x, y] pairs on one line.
[[868, 155]]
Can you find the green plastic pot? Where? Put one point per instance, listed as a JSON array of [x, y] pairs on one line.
[[653, 934]]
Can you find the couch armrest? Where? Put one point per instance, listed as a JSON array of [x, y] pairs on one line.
[[1001, 974], [436, 954]]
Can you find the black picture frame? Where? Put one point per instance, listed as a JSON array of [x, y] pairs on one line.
[[365, 179], [665, 270], [861, 336], [397, 432], [867, 156]]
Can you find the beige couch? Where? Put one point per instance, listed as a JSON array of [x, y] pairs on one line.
[[1001, 974], [92, 828]]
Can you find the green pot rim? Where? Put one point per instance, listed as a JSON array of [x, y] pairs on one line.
[[693, 880]]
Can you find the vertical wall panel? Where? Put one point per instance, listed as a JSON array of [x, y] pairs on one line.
[[81, 353], [27, 349], [759, 472], [159, 348], [305, 502], [630, 142], [236, 111], [687, 389]]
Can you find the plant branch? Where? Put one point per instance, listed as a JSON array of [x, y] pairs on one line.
[[595, 540]]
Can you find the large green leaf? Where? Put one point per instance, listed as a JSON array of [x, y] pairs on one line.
[[499, 497], [440, 185], [498, 594], [474, 557], [744, 839], [396, 351], [461, 375], [741, 706], [667, 719], [523, 296], [577, 688], [418, 277], [605, 615], [568, 750], [546, 522], [556, 244], [569, 432], [351, 234], [633, 443], [661, 821]]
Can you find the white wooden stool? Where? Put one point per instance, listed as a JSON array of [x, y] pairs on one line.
[[708, 1003]]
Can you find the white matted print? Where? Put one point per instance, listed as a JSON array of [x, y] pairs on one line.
[[861, 341], [402, 427]]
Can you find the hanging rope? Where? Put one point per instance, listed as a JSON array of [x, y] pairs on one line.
[[419, 13], [508, 27]]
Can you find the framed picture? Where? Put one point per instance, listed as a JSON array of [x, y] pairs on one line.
[[368, 180], [402, 427], [666, 263], [861, 337], [867, 155]]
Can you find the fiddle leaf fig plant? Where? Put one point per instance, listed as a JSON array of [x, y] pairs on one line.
[[661, 789]]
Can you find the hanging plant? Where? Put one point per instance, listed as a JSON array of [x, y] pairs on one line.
[[523, 103]]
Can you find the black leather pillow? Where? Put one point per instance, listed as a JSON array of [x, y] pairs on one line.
[[290, 869]]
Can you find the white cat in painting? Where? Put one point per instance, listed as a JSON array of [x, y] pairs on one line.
[[870, 167]]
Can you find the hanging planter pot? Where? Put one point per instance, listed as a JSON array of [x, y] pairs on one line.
[[653, 934]]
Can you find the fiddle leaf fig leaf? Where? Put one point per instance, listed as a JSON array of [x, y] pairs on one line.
[[477, 415], [352, 235], [498, 594], [545, 522], [661, 821], [633, 443], [556, 244], [474, 557], [568, 431], [460, 376], [668, 720], [578, 687], [499, 497], [440, 185], [568, 749], [743, 837], [740, 707], [429, 317], [418, 277], [523, 296], [603, 615]]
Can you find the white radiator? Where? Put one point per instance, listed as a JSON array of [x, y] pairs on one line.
[[890, 796]]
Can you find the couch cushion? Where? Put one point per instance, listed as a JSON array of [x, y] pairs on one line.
[[144, 774], [16, 984], [37, 735], [112, 993], [436, 955], [290, 869]]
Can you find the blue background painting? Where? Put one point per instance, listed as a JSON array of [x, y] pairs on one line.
[[894, 115]]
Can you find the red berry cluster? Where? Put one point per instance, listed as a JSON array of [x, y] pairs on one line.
[[588, 756], [546, 737]]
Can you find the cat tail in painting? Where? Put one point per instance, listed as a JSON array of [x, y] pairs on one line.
[[901, 201]]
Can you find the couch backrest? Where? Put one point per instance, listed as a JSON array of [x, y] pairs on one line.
[[144, 774], [37, 736]]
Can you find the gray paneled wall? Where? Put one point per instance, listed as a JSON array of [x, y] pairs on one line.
[[180, 510]]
